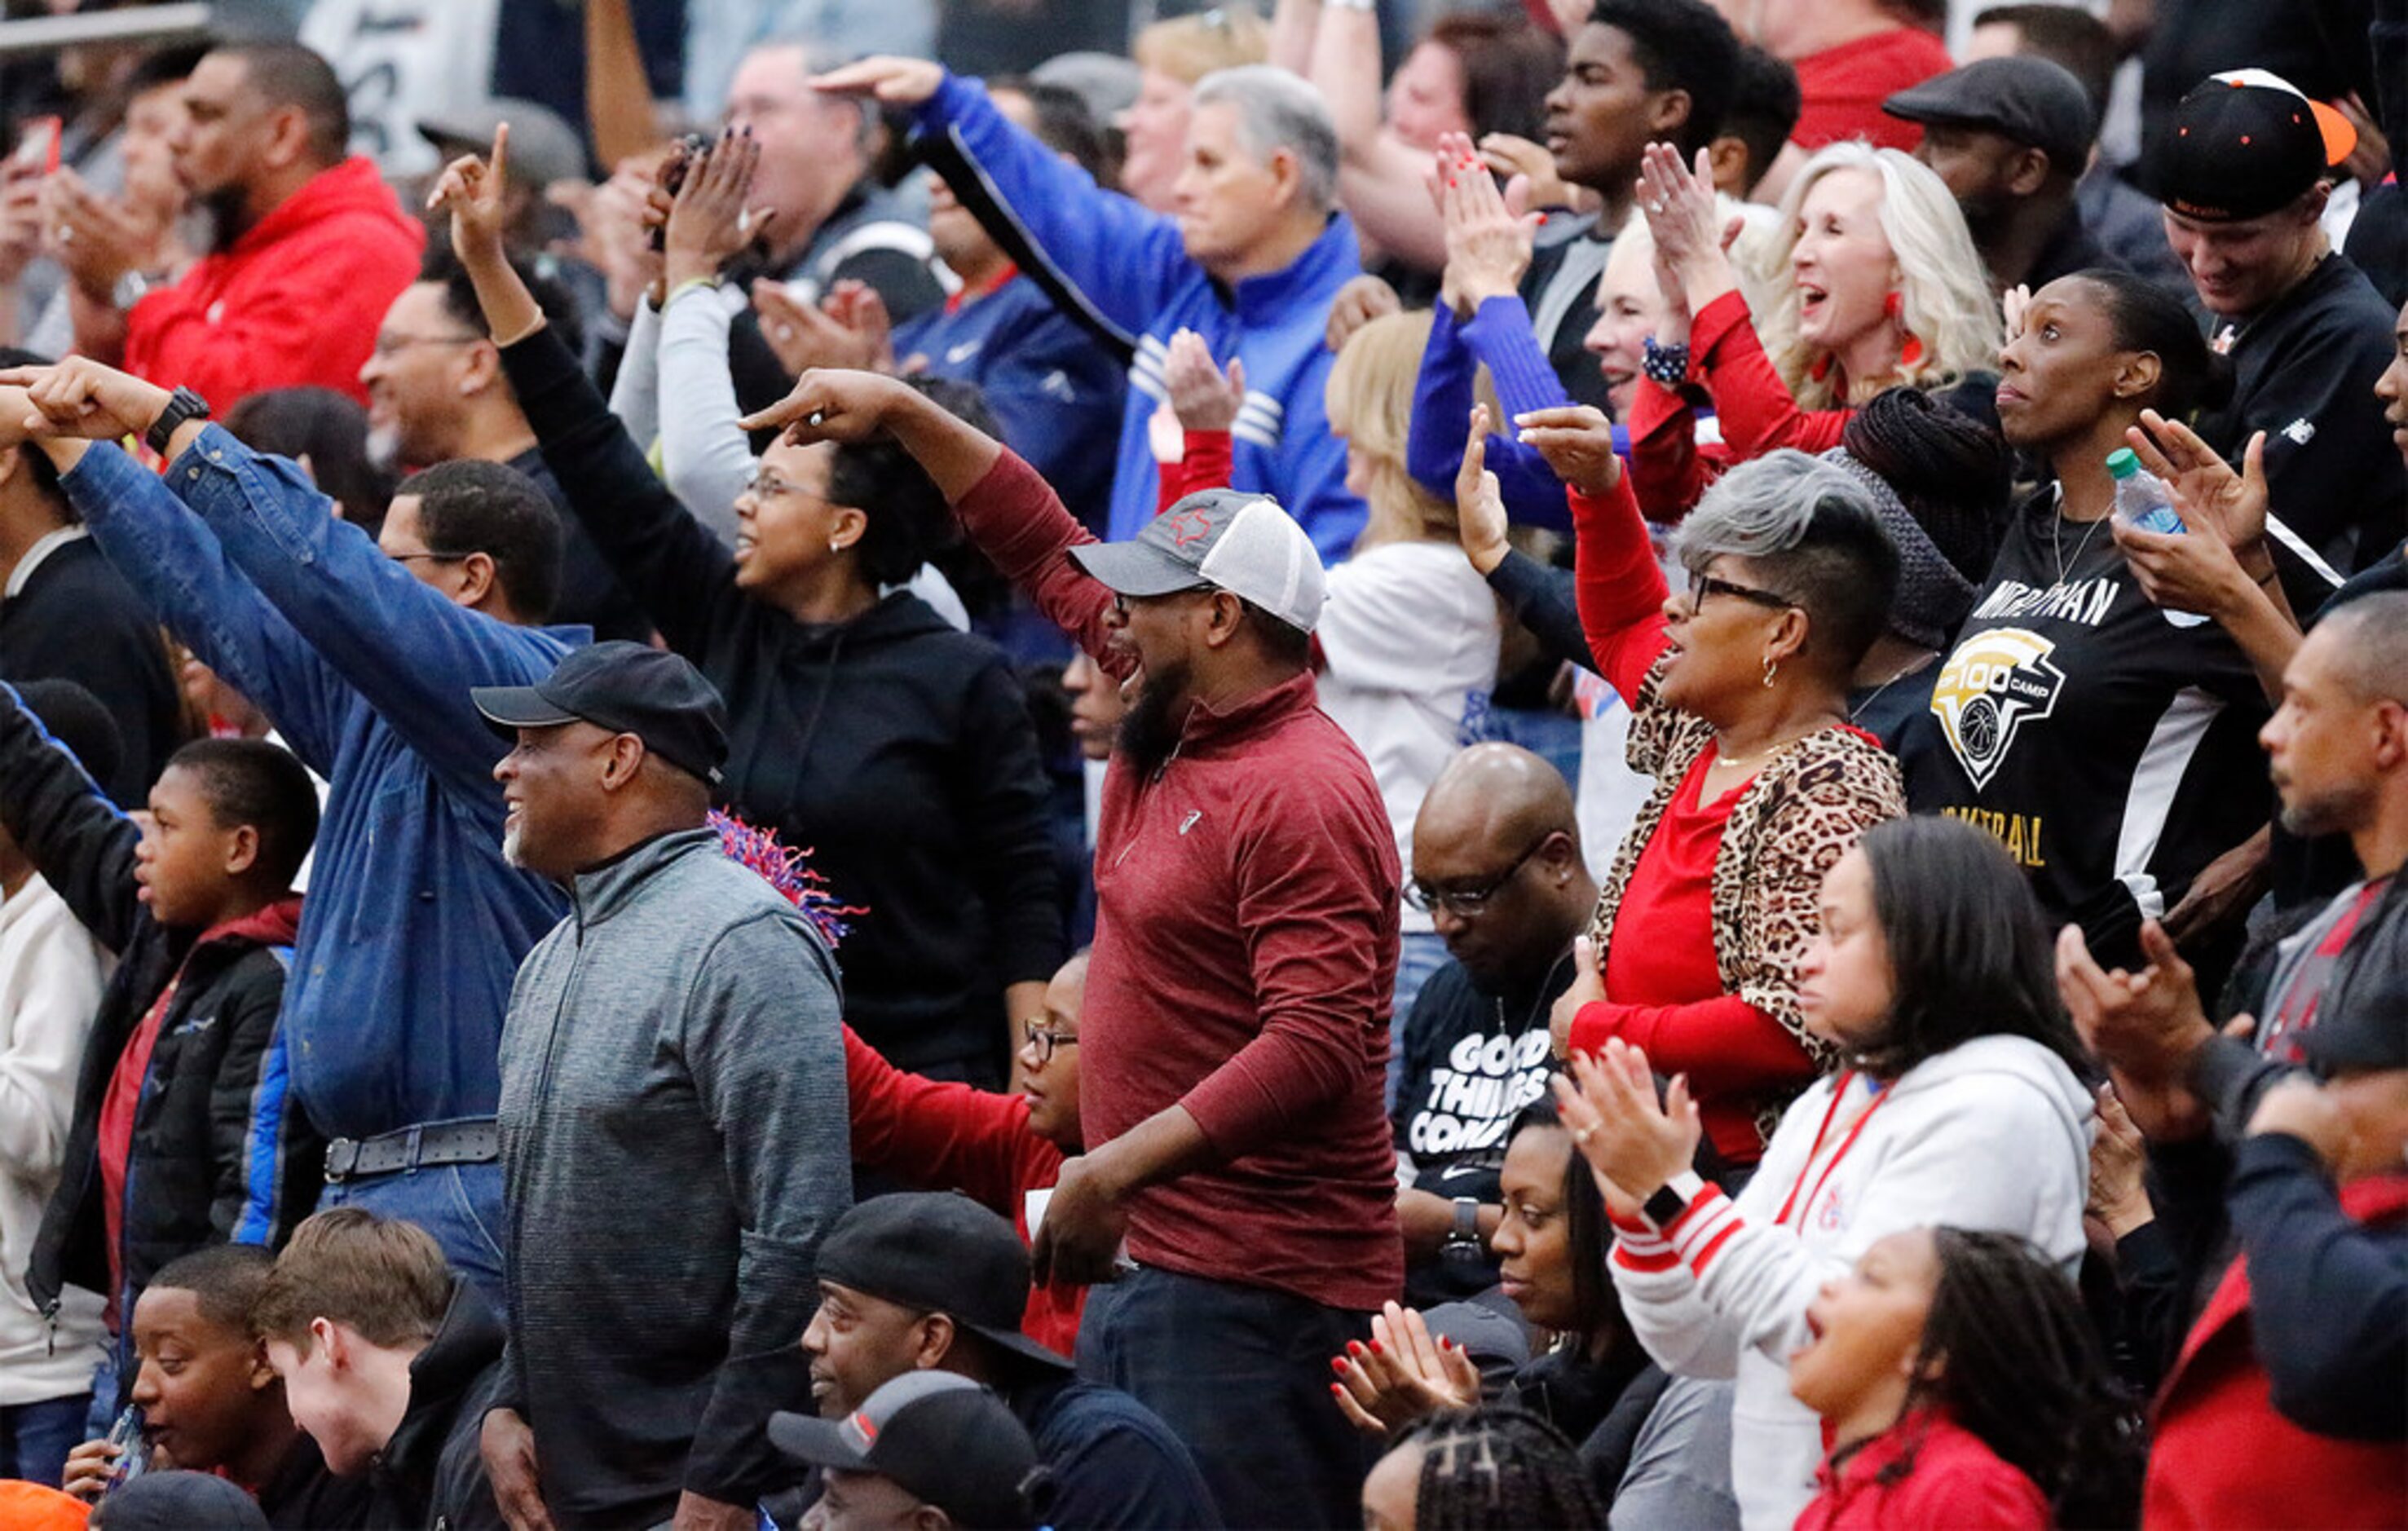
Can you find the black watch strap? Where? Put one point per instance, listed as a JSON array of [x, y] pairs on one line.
[[1673, 1198], [182, 404]]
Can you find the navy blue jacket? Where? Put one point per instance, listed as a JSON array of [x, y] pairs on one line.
[[414, 925], [1053, 388], [1115, 1463]]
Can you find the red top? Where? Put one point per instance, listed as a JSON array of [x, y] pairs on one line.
[[1953, 1480], [1670, 468], [1205, 463], [1662, 979], [1244, 959], [962, 1138], [1841, 89], [297, 300], [117, 1109]]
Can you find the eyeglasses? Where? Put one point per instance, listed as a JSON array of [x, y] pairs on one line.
[[437, 557], [393, 345], [1703, 585], [768, 486], [1121, 603], [1043, 1039], [1468, 903]]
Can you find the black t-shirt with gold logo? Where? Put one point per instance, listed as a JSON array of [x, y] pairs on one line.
[[2111, 744]]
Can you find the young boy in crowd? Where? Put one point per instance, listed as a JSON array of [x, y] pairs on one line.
[[211, 1403], [183, 1133], [389, 1363], [995, 1148]]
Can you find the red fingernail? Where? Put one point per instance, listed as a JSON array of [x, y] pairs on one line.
[[1449, 180], [1338, 1365], [1353, 1347], [1375, 1349], [1542, 218], [1336, 1392]]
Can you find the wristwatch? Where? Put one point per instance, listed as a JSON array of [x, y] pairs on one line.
[[1673, 1198], [182, 404], [1463, 1239]]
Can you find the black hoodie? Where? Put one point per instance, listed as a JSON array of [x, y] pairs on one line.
[[432, 1471], [899, 753]]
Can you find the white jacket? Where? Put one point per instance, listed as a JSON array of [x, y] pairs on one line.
[[1992, 1134], [50, 976]]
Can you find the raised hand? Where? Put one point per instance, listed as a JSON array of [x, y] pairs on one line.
[[473, 190], [20, 220], [2147, 1028], [858, 306], [1480, 520], [1362, 300], [828, 404], [79, 397], [1489, 234], [2209, 495], [708, 222], [1202, 397], [805, 337], [98, 239], [1509, 156], [1633, 1143], [1577, 441], [891, 81], [1691, 235]]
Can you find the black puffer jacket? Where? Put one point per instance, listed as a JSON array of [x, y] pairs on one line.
[[221, 1151]]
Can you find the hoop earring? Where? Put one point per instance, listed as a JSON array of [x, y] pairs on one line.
[[1771, 668]]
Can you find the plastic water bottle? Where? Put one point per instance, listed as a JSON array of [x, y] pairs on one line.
[[132, 1448], [2144, 502]]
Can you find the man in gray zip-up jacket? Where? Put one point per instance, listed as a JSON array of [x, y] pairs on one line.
[[673, 1115]]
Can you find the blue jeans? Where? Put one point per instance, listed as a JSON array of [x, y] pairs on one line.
[[35, 1437], [1241, 1375], [1420, 954], [461, 1205]]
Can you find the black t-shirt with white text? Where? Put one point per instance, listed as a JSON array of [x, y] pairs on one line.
[[2112, 749]]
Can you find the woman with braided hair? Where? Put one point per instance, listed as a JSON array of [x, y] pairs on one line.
[[1482, 1470], [1960, 1385]]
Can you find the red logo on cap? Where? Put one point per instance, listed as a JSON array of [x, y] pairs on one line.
[[867, 1427], [1189, 526]]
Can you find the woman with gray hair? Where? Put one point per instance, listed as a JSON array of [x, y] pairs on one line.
[[1740, 700]]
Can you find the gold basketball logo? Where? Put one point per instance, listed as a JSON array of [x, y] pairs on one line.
[[1991, 686]]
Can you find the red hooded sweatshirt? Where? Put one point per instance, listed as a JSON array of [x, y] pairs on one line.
[[296, 301]]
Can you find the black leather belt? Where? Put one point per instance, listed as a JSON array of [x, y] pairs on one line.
[[471, 1140]]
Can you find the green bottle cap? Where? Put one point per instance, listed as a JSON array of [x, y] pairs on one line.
[[2123, 463]]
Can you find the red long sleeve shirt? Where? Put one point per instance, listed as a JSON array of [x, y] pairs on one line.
[[1244, 959], [1925, 1470], [1663, 983], [297, 300], [939, 1134]]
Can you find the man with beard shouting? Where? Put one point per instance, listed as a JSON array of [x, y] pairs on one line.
[[306, 244], [1237, 1191]]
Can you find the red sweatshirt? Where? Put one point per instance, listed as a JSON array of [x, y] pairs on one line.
[[297, 300], [937, 1134], [1842, 88], [1244, 960], [1956, 1482], [1663, 984]]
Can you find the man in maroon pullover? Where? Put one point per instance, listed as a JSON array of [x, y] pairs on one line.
[[1237, 1191]]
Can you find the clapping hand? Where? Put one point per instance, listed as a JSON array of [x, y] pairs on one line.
[[1489, 234], [1202, 397], [1401, 1375], [1692, 239], [1577, 441], [708, 222], [1634, 1143]]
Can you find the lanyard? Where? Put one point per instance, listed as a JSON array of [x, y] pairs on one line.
[[1846, 1142]]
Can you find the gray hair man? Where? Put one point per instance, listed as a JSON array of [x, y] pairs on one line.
[[1250, 259]]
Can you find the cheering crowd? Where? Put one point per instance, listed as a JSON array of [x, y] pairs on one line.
[[1630, 763]]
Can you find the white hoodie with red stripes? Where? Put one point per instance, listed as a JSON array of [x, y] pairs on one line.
[[1992, 1134]]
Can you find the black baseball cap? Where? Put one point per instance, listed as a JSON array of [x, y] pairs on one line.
[[940, 1252], [941, 1438], [2246, 143], [2025, 99], [627, 688]]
